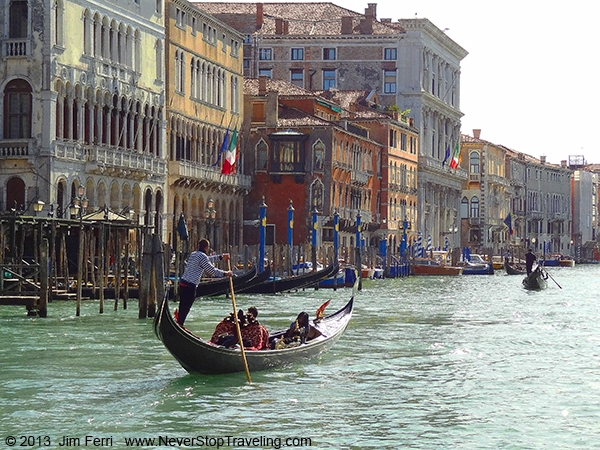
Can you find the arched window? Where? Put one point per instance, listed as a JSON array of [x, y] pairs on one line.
[[18, 20], [475, 207], [15, 194], [262, 151], [318, 156], [474, 163], [17, 110], [316, 195], [464, 208]]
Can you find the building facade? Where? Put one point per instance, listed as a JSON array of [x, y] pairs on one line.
[[83, 109], [303, 154], [429, 86], [486, 195], [204, 85], [411, 64]]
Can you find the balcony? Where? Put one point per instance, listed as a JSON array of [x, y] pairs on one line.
[[358, 177], [113, 161], [185, 171], [16, 148], [16, 48]]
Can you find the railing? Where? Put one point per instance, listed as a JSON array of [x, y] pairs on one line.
[[188, 169], [359, 177], [16, 47], [13, 148]]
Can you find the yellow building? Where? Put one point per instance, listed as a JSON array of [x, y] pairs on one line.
[[204, 86]]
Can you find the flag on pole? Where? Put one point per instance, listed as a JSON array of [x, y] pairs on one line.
[[224, 147], [182, 228], [446, 156], [455, 157], [230, 154], [508, 223]]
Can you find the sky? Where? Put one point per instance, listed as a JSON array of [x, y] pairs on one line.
[[530, 80]]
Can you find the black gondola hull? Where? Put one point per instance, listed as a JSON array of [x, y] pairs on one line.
[[292, 283], [196, 355]]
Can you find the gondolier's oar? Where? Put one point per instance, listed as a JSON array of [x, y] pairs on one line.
[[548, 273], [237, 324]]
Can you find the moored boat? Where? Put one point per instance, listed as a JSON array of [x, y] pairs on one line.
[[336, 281], [283, 284], [197, 355], [476, 265], [426, 266], [566, 261]]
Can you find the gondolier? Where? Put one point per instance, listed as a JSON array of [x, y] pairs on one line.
[[529, 260], [198, 264]]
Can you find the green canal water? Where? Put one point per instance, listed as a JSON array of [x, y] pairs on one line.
[[471, 362]]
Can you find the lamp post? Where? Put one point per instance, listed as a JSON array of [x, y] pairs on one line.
[[210, 215], [38, 206]]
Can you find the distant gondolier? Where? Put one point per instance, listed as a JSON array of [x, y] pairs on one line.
[[530, 258]]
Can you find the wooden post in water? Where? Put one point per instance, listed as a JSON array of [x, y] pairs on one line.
[[145, 277], [117, 266], [43, 301], [158, 279], [102, 265], [79, 269]]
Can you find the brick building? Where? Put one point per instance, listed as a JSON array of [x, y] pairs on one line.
[[301, 150]]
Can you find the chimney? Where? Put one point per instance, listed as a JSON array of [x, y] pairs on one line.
[[371, 10], [347, 25], [543, 159], [477, 133], [278, 25], [366, 25], [262, 85], [259, 16], [563, 163]]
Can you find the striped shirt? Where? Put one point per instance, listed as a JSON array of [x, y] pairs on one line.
[[198, 264]]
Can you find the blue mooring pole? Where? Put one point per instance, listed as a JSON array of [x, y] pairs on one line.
[[263, 235], [290, 234]]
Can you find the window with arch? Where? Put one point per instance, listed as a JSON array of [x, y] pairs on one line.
[[262, 153], [318, 156], [17, 110], [474, 163], [18, 19], [316, 195], [464, 208], [474, 207]]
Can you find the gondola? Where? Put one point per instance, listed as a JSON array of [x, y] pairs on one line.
[[536, 280], [197, 355], [512, 269], [274, 285], [257, 279], [220, 286]]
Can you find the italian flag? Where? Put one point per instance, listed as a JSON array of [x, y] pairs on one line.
[[230, 154], [455, 157]]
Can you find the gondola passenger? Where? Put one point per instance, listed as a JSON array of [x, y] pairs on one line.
[[299, 332], [254, 332]]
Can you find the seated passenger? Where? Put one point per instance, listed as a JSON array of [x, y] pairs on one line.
[[225, 333], [300, 332], [254, 334]]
